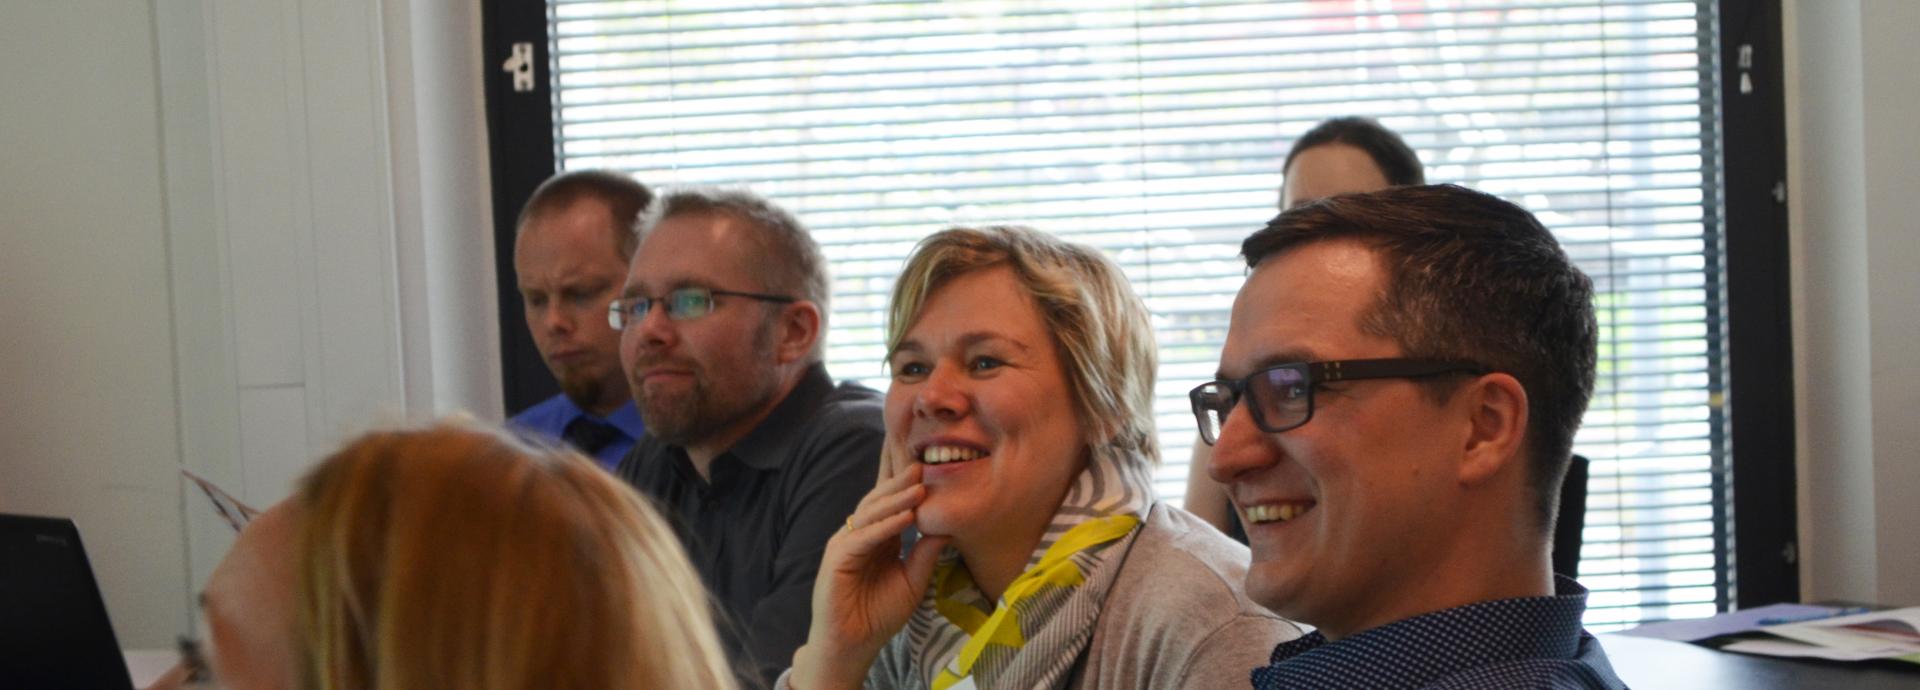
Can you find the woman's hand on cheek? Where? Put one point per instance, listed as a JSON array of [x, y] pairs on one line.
[[865, 591]]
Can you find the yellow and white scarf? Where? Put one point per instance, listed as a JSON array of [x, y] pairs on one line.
[[1033, 636]]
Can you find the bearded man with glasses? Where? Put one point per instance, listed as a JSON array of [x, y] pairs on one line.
[[1395, 406], [750, 447]]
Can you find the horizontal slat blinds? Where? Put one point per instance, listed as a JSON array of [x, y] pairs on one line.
[[1156, 131]]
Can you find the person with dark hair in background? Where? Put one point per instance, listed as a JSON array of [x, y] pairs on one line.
[[570, 255], [1395, 407], [1343, 155], [1338, 156], [750, 446]]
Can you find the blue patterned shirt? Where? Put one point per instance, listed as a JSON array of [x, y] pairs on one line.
[[1532, 642]]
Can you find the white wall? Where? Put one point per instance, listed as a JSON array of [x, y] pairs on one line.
[[1854, 168], [246, 206], [86, 350]]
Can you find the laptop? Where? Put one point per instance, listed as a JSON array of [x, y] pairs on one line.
[[54, 631]]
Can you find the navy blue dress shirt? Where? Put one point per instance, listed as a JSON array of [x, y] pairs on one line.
[[550, 418], [1533, 642]]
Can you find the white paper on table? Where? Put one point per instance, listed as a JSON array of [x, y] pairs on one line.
[[1894, 632], [1789, 648]]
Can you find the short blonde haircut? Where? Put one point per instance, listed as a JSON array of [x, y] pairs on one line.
[[456, 556], [1100, 327]]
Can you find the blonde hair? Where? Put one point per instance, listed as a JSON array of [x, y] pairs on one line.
[[1100, 327], [456, 556]]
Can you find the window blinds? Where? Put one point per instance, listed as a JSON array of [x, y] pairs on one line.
[[1156, 131]]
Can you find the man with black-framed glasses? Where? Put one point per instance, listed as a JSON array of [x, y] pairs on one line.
[[1395, 406], [750, 447]]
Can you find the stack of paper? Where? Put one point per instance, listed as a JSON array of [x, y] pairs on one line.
[[1893, 634]]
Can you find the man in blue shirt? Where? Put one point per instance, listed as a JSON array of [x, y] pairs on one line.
[[570, 257], [1395, 407]]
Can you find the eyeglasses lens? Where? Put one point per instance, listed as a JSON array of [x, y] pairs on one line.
[[1212, 402], [617, 312], [1282, 396], [689, 303]]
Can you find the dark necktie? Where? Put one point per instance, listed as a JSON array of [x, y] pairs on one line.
[[588, 435]]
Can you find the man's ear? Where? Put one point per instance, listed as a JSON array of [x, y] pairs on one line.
[[799, 329], [1496, 405]]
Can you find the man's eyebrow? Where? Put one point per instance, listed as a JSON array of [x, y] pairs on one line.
[[631, 290], [1269, 360], [589, 283]]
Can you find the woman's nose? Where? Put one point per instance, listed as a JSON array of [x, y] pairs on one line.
[[943, 396]]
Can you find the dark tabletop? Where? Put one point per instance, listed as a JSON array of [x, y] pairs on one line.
[[1650, 664]]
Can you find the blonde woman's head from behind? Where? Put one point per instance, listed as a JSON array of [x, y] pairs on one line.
[[457, 556]]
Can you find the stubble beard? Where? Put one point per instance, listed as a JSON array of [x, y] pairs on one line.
[[708, 407], [586, 391]]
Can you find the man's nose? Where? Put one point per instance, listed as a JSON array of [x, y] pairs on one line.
[[653, 326], [1241, 447], [558, 318]]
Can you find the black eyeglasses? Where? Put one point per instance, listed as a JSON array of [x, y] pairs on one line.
[[682, 304], [1281, 397]]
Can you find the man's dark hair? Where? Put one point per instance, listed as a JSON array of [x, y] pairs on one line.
[[624, 196], [1396, 161], [1470, 277]]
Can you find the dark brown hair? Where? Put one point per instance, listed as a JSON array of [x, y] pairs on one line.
[[1471, 277], [1397, 161]]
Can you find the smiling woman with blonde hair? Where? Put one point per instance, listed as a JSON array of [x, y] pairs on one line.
[[456, 556], [1020, 445]]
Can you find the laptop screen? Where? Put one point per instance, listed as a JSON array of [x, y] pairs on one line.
[[54, 631]]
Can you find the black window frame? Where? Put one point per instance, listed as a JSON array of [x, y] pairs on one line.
[[521, 148]]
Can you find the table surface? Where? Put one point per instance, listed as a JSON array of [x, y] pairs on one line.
[[1650, 664]]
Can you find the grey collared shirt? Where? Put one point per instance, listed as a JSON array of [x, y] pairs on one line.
[[756, 531]]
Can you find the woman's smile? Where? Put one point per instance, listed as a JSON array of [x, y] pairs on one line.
[[980, 401]]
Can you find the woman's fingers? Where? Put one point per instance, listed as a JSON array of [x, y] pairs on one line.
[[889, 487], [870, 528], [901, 477], [921, 560], [882, 506], [886, 462]]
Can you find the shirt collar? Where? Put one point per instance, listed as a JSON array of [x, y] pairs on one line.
[[1504, 630], [771, 442], [626, 418]]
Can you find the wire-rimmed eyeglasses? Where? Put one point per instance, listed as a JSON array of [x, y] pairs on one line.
[[682, 304]]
